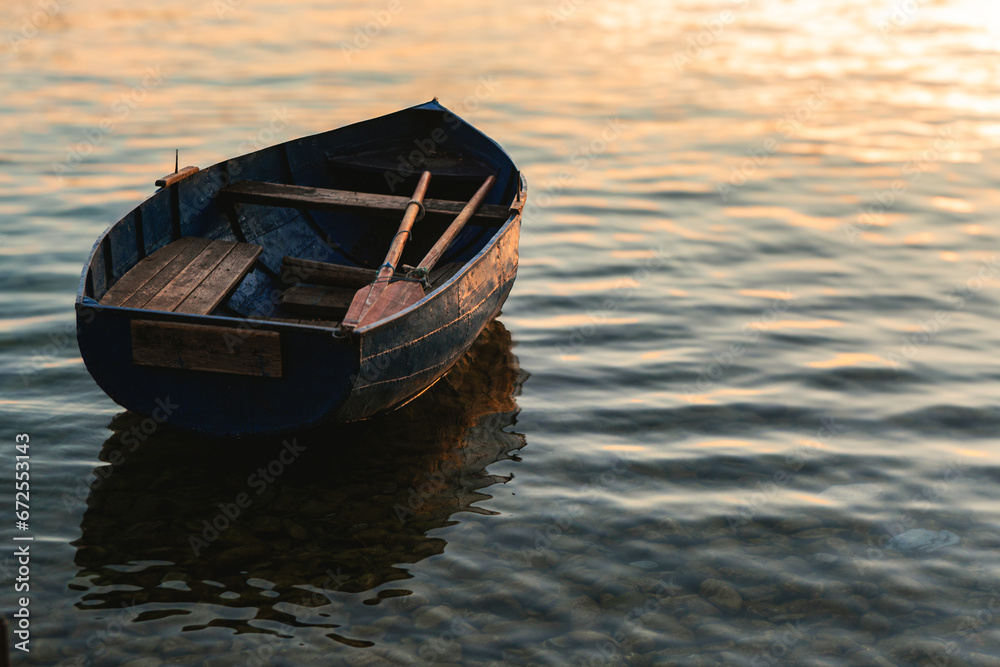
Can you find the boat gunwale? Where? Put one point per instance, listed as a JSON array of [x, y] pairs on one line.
[[187, 318]]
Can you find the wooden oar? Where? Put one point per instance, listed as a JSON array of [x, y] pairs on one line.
[[403, 294], [369, 295]]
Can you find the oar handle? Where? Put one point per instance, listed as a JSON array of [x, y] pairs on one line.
[[434, 254], [413, 208], [368, 296]]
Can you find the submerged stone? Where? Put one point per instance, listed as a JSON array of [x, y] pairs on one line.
[[429, 617], [921, 539], [721, 595], [875, 623], [644, 564]]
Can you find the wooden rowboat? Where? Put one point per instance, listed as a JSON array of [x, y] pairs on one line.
[[256, 296]]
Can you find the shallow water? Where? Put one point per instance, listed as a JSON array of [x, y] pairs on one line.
[[749, 349]]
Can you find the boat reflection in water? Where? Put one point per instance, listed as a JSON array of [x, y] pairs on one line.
[[176, 519]]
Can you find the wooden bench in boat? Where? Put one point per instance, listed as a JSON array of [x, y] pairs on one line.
[[317, 301], [191, 275], [325, 290], [296, 270], [321, 199]]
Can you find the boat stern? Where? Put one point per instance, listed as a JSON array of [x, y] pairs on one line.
[[216, 376]]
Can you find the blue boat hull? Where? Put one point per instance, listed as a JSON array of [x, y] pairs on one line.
[[407, 354], [326, 375]]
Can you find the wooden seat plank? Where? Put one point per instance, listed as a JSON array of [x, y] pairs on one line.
[[192, 275], [143, 272], [163, 277], [295, 270], [321, 199], [220, 282], [325, 302]]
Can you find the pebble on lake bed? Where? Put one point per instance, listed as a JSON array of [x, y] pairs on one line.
[[721, 595], [921, 539]]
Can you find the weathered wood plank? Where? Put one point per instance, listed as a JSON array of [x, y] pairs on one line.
[[142, 272], [295, 270], [170, 179], [163, 277], [320, 199], [220, 282], [197, 347], [325, 302], [190, 277]]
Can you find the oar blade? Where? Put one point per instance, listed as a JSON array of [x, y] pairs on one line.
[[396, 297], [363, 300], [401, 295]]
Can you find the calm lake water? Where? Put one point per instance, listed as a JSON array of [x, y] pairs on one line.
[[742, 406]]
